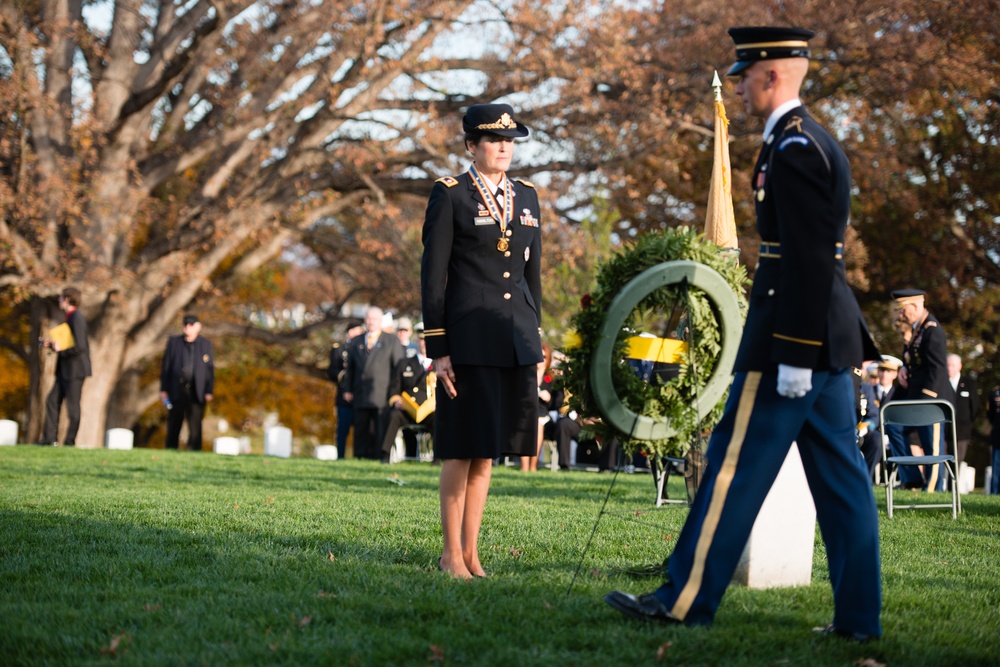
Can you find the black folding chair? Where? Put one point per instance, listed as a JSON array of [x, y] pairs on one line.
[[916, 413]]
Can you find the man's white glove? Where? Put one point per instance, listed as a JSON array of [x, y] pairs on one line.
[[794, 382]]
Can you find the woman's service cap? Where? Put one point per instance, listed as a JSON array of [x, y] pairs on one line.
[[494, 119], [755, 43]]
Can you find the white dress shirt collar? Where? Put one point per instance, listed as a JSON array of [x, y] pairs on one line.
[[772, 120]]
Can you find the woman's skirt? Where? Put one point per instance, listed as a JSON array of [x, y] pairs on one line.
[[495, 414]]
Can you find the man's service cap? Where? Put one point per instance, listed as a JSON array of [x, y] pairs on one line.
[[905, 296], [755, 43]]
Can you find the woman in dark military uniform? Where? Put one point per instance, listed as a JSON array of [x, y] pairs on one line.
[[481, 288]]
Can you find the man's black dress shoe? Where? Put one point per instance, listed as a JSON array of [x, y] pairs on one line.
[[833, 630], [647, 607]]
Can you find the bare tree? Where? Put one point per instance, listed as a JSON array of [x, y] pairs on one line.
[[190, 142]]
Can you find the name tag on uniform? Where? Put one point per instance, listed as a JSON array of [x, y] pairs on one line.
[[964, 394], [487, 220]]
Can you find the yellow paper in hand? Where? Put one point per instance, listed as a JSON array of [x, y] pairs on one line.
[[62, 336]]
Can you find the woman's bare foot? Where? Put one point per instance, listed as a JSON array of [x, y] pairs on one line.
[[456, 571], [473, 566]]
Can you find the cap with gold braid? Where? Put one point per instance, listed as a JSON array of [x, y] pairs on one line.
[[755, 43], [494, 119]]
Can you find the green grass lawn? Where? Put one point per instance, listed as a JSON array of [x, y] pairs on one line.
[[148, 557]]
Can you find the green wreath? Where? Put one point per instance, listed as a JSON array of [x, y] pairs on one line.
[[683, 310]]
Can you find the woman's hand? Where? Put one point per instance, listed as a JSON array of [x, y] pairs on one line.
[[446, 374]]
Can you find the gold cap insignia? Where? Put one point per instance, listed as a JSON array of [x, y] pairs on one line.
[[505, 123]]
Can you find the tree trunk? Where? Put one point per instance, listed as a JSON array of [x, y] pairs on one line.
[[131, 399]]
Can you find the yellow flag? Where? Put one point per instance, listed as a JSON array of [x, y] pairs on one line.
[[720, 221]]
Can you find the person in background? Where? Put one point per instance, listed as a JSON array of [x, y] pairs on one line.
[[480, 281], [404, 332], [869, 437], [370, 360], [410, 376], [804, 334], [993, 410], [72, 368], [187, 382], [887, 370], [549, 400], [924, 375], [965, 398], [336, 371]]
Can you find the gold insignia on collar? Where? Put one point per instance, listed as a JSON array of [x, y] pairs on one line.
[[448, 181], [796, 122]]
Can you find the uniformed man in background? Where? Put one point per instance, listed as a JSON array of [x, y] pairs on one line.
[[924, 375]]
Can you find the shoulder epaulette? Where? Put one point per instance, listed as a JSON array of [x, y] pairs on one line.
[[449, 181], [524, 182], [931, 324]]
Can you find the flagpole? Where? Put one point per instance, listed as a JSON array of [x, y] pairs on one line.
[[720, 219]]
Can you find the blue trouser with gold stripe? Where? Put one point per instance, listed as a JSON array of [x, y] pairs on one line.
[[744, 456]]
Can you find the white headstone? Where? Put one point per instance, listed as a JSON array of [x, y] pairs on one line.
[[278, 442], [398, 451], [245, 444], [8, 432], [226, 445], [780, 549], [966, 478], [326, 452], [118, 438], [989, 480]]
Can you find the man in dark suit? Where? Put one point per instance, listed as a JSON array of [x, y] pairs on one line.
[[72, 368], [187, 382], [924, 375], [370, 360], [793, 373], [410, 376], [965, 397]]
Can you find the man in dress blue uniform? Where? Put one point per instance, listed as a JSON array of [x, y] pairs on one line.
[[793, 373], [924, 375]]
